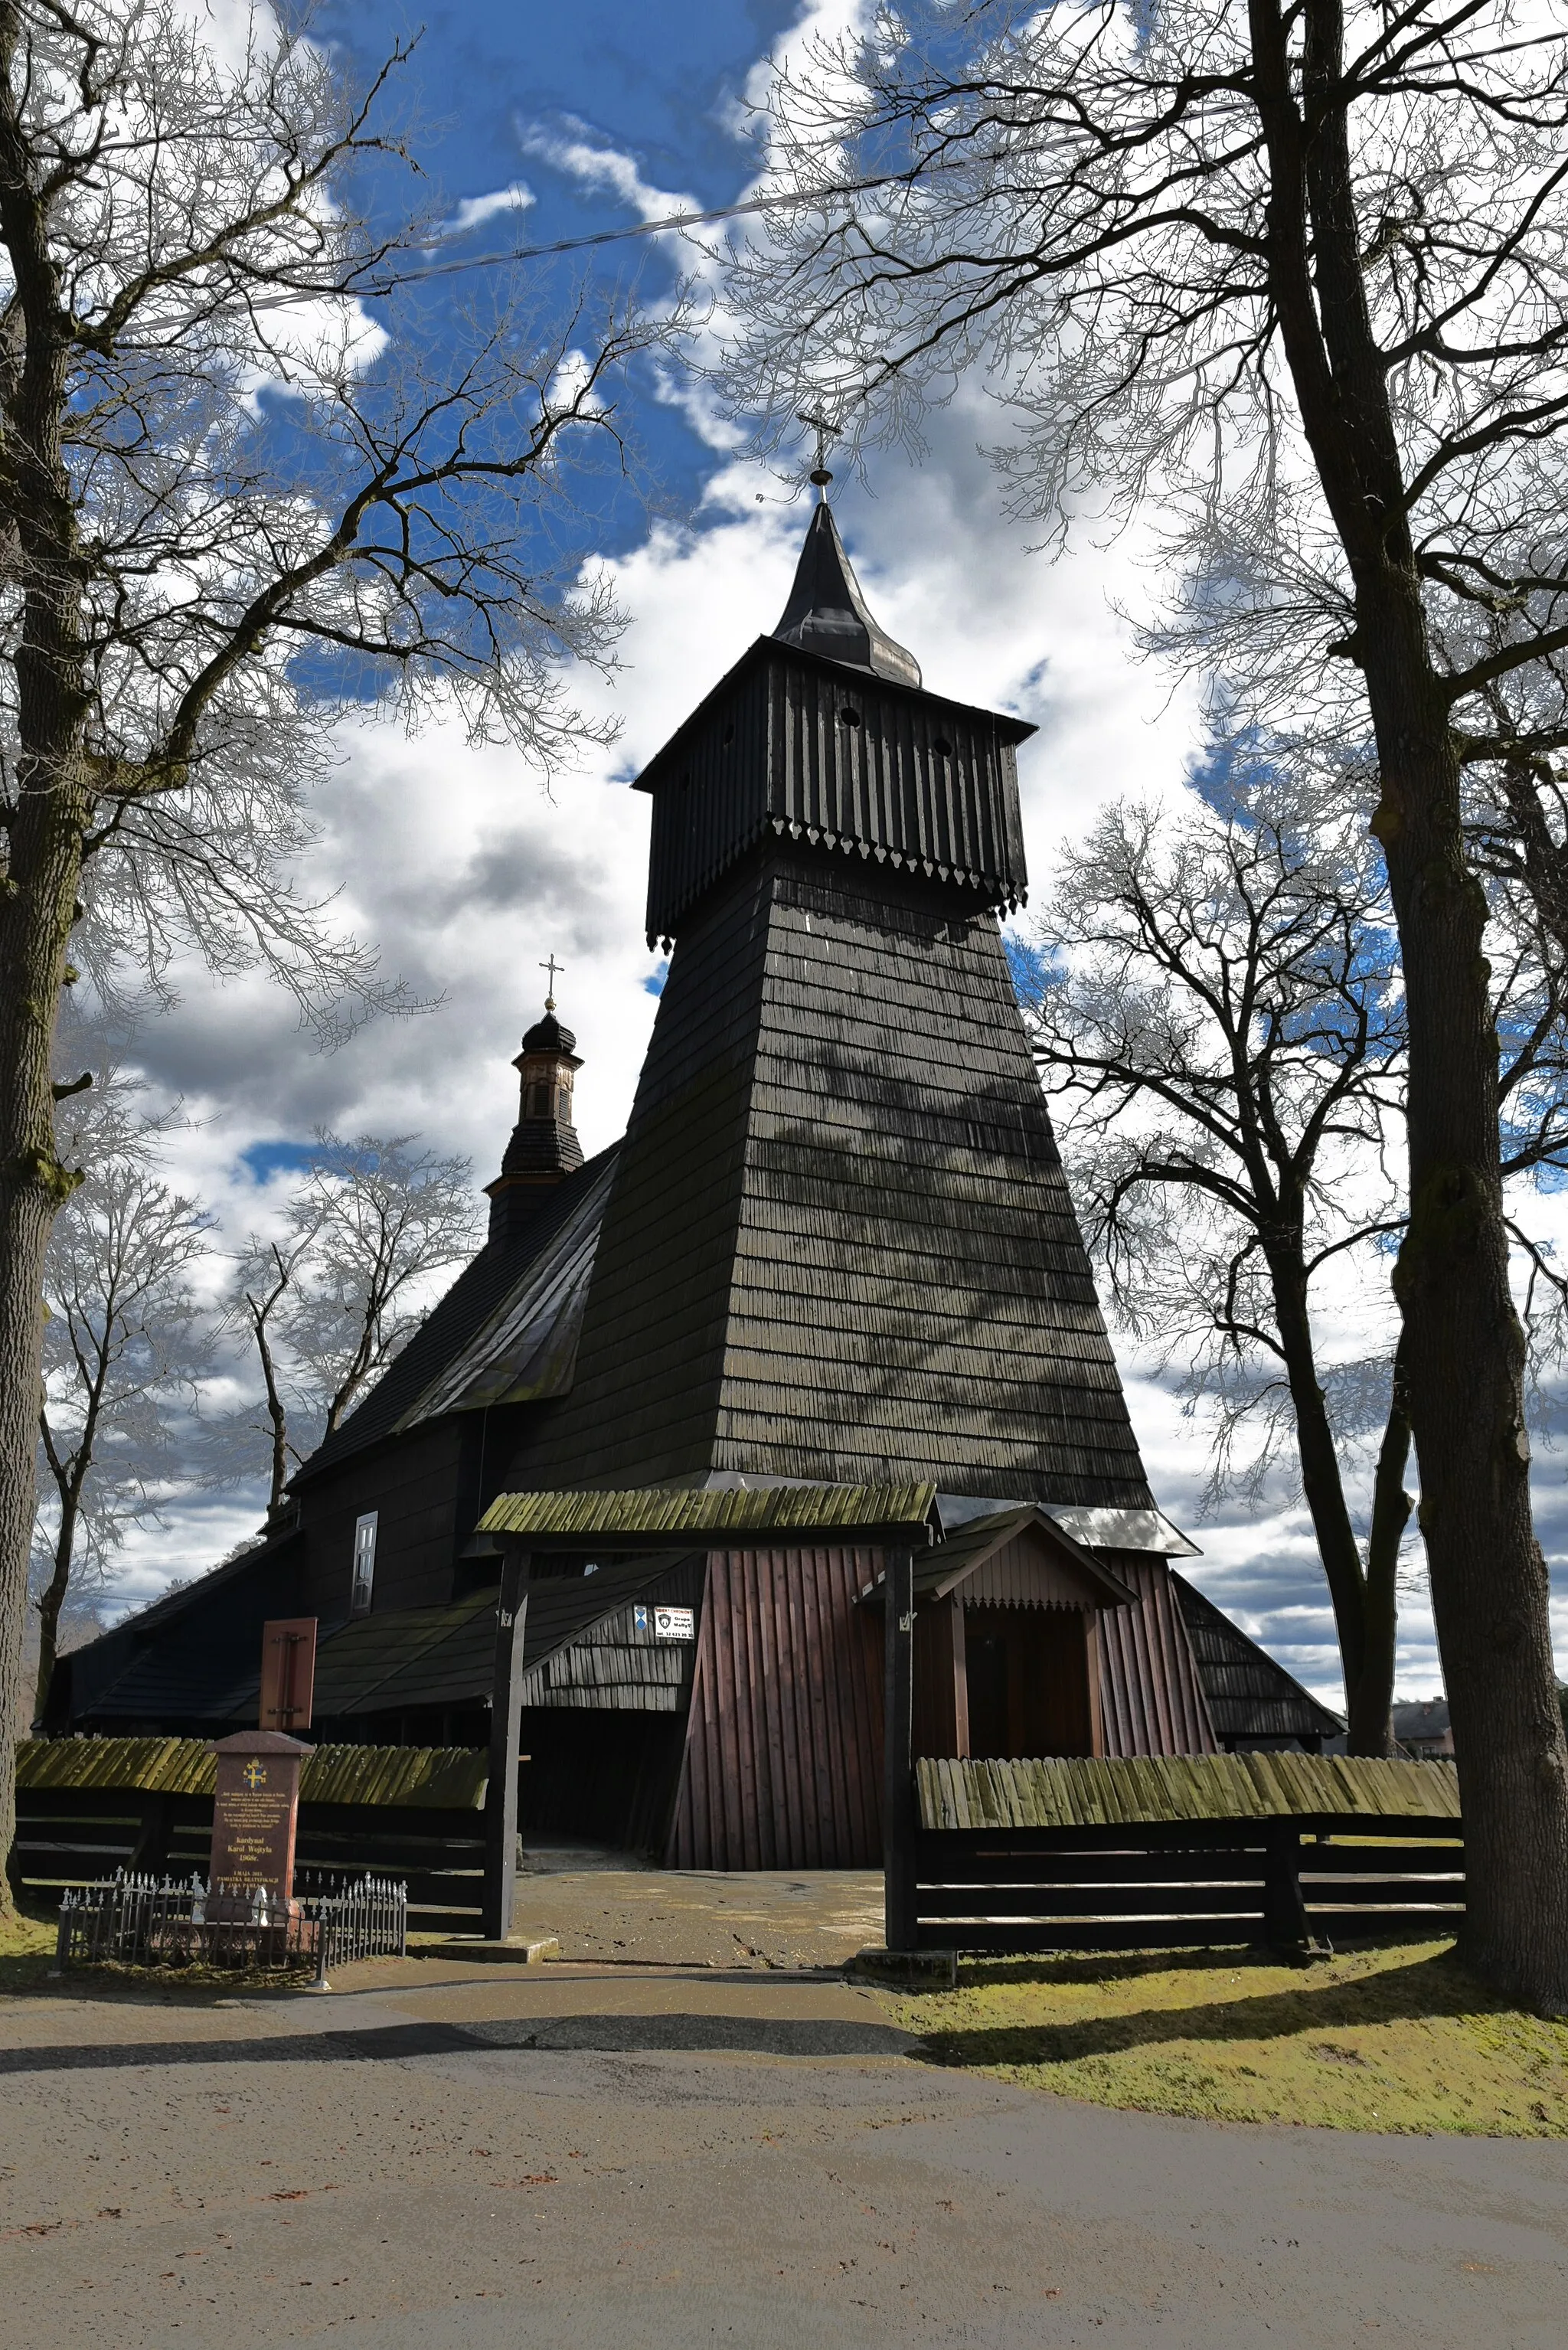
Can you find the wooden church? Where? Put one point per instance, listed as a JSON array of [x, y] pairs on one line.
[[834, 1248]]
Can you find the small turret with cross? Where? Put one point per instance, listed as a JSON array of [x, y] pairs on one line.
[[543, 1148]]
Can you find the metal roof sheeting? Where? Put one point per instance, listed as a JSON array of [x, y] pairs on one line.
[[528, 1346], [655, 1512], [1123, 1530], [1135, 1791]]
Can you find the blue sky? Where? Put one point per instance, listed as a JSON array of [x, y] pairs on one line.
[[661, 85], [468, 872]]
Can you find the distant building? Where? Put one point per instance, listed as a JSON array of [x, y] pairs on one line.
[[834, 1247], [1421, 1725]]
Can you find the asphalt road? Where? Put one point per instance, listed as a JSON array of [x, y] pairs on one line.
[[633, 2156]]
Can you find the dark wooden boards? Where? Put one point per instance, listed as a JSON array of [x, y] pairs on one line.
[[784, 1752], [1186, 1883]]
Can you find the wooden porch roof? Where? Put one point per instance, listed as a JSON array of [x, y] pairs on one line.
[[749, 1518]]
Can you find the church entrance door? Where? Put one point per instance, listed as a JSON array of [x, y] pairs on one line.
[[1028, 1682]]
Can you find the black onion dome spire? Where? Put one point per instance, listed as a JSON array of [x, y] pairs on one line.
[[547, 1036], [826, 612]]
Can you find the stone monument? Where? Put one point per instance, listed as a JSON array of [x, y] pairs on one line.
[[256, 1814]]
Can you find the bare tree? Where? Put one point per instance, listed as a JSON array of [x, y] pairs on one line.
[[241, 493], [262, 1288], [1288, 281], [331, 1300], [126, 1343], [1220, 1015]]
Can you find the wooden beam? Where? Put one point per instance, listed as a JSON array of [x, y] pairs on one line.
[[1096, 1684], [897, 1748], [506, 1724], [961, 1681]]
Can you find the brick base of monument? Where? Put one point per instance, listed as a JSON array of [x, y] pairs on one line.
[[239, 1928]]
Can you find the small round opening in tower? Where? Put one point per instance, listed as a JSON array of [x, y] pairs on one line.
[[847, 717]]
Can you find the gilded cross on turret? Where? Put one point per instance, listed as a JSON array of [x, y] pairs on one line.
[[826, 437], [552, 966]]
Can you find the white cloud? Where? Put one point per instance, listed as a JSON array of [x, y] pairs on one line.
[[576, 151], [475, 211]]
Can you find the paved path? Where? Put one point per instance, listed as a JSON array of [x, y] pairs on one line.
[[763, 1918], [628, 2156]]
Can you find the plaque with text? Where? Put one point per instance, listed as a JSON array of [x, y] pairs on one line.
[[255, 1812]]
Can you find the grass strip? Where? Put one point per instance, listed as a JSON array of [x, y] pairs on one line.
[[1395, 2039]]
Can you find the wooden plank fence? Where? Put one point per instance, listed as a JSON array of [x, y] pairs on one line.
[[1182, 1852], [86, 1808]]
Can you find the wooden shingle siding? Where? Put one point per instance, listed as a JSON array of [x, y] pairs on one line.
[[1150, 1698], [784, 1749], [769, 752], [1249, 1695], [815, 1262], [614, 1667]]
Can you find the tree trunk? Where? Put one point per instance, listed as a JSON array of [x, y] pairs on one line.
[[1365, 1639], [1464, 1346], [49, 822], [34, 923], [1465, 1349], [1371, 1703], [53, 1600], [276, 1410]]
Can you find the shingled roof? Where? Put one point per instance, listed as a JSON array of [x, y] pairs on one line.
[[839, 1246], [479, 1330], [1248, 1694]]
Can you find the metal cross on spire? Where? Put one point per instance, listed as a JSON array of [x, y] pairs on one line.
[[552, 966], [827, 434]]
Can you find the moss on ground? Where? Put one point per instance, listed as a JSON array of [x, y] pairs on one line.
[[1399, 2040], [27, 1955], [26, 1950]]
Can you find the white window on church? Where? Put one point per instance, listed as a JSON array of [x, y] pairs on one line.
[[364, 1563]]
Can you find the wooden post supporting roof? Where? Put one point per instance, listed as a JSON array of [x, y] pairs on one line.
[[506, 1724], [898, 1749]]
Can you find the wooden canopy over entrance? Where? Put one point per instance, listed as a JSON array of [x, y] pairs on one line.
[[894, 1520]]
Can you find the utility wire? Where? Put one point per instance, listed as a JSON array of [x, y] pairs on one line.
[[684, 220]]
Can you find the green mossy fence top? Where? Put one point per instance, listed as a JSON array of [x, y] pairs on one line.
[[1135, 1790], [444, 1777], [656, 1515]]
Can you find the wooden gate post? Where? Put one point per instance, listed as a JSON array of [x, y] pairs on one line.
[[506, 1724], [1284, 1911], [897, 1748]]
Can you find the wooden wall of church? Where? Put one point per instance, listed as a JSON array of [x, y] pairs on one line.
[[417, 1483], [941, 1678], [1151, 1701], [784, 1749]]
